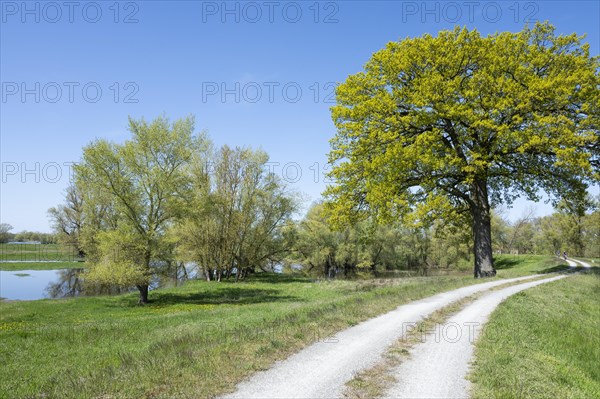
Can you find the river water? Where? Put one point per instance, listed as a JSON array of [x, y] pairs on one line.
[[64, 283]]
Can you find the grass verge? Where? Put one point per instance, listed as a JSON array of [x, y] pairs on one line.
[[543, 342], [193, 341]]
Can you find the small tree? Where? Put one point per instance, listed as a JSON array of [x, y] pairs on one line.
[[324, 251], [5, 234], [316, 245], [592, 232], [68, 220]]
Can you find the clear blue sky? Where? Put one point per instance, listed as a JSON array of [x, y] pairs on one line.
[[237, 66]]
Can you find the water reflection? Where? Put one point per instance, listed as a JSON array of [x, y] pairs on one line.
[[25, 284], [172, 275], [69, 283], [64, 283]]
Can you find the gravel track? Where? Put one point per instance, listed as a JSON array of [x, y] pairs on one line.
[[574, 263], [437, 367], [322, 369]]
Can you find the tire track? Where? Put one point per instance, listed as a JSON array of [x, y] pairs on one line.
[[322, 369], [438, 367]]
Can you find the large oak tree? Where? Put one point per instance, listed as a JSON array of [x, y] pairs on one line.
[[439, 127]]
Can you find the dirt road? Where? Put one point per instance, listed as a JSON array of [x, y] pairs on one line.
[[321, 370], [437, 367]]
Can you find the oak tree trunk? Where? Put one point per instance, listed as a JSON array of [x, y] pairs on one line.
[[482, 230]]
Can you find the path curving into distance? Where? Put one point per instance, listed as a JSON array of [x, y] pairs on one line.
[[575, 263], [322, 369], [437, 367]]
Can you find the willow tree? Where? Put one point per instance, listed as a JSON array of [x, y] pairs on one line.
[[237, 215], [68, 219], [452, 125], [146, 180]]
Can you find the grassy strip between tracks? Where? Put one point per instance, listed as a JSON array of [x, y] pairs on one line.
[[374, 381]]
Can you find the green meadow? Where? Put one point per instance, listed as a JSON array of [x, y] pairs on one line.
[[196, 340]]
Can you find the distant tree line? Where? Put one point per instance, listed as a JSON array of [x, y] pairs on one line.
[[370, 247], [574, 228], [25, 236]]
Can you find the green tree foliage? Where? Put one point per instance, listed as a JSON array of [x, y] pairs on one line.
[[237, 215], [369, 247], [451, 245], [591, 234], [100, 214], [549, 237], [33, 236], [142, 181], [5, 234], [501, 233], [456, 124], [67, 220], [573, 215], [317, 246], [166, 197], [574, 228]]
